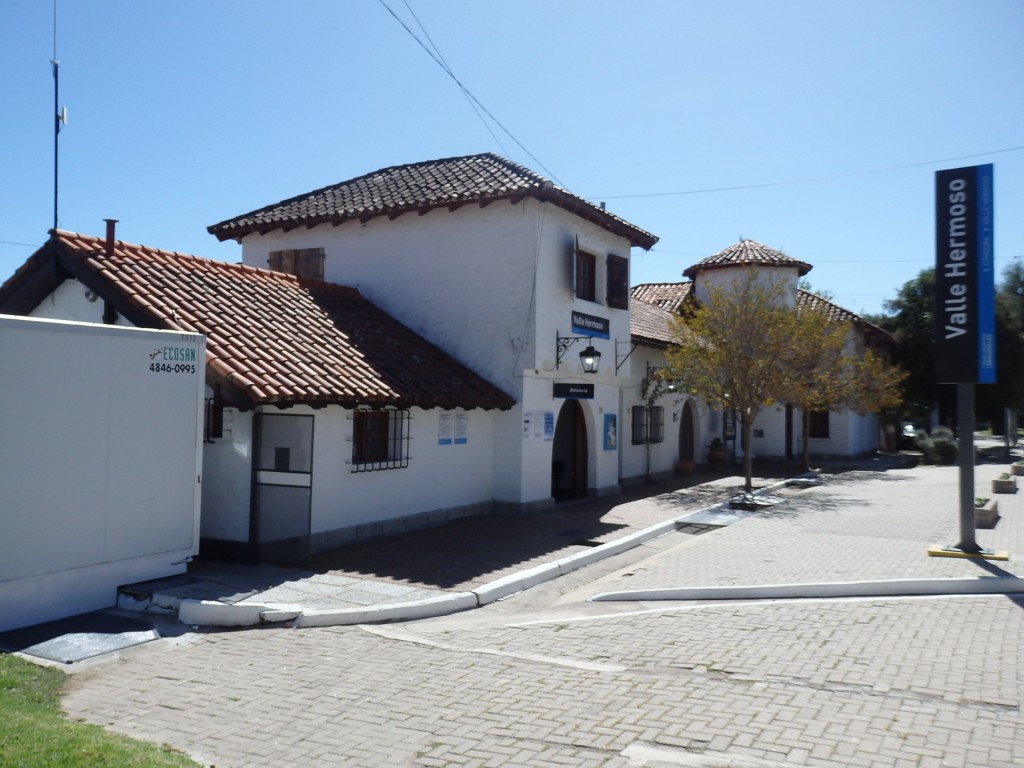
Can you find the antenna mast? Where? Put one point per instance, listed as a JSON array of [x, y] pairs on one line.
[[60, 116]]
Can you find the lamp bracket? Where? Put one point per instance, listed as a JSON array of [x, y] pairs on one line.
[[619, 362], [562, 344]]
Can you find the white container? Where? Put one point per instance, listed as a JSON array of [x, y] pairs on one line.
[[100, 462]]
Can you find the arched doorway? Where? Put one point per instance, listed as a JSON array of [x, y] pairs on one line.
[[688, 433], [569, 453]]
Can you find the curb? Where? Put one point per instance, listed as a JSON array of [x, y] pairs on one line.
[[982, 585], [211, 613]]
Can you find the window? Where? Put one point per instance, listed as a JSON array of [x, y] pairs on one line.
[[380, 440], [213, 419], [586, 268], [307, 263], [618, 283], [648, 424], [818, 424]]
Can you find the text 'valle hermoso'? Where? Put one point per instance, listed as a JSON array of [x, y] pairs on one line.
[[965, 346]]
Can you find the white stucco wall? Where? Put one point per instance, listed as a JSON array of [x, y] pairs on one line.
[[227, 483], [70, 301], [664, 456], [438, 476], [779, 279]]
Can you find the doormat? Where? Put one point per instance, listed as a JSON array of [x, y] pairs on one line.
[[79, 637]]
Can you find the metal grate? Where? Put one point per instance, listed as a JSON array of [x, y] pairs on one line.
[[380, 440]]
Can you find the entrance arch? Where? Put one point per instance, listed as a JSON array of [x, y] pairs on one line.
[[688, 432], [569, 453]]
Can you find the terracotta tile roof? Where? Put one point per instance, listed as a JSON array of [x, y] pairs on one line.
[[649, 324], [668, 296], [812, 302], [747, 253], [420, 187], [272, 338]]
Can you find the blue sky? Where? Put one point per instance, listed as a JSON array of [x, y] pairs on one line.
[[814, 127]]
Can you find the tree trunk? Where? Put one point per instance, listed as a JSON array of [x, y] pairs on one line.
[[807, 440], [748, 463]]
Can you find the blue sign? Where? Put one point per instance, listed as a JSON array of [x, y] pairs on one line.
[[965, 335], [589, 325]]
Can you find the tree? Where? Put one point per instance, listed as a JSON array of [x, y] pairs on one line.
[[748, 346], [727, 350], [832, 369]]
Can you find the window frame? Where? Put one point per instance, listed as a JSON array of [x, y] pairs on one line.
[[647, 424], [380, 439], [585, 275], [617, 279], [819, 424], [304, 263]]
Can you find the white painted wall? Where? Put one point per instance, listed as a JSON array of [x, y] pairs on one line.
[[100, 463], [227, 479], [784, 280], [437, 477], [664, 456], [71, 301]]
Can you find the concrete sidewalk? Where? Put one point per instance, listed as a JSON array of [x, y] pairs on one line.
[[860, 533], [869, 521]]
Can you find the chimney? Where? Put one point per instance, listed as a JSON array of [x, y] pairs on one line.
[[111, 225]]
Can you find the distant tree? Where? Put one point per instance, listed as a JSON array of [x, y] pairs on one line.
[[1008, 391], [908, 318]]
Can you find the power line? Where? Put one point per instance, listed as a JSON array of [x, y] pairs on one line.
[[466, 91], [807, 180]]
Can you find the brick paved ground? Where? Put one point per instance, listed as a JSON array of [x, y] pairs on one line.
[[920, 682]]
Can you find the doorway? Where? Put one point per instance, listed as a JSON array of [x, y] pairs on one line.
[[279, 527], [688, 433], [569, 454]]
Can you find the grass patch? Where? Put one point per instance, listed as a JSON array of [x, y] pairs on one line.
[[34, 731]]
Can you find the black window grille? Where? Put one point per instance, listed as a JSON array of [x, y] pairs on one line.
[[213, 419], [380, 440], [648, 424]]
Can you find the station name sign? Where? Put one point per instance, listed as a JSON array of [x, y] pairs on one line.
[[589, 325], [964, 316]]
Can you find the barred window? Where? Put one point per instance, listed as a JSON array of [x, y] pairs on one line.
[[380, 440], [213, 418], [648, 424]]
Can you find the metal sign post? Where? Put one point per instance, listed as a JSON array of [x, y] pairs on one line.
[[964, 316]]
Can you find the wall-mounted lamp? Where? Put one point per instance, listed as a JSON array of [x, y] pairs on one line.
[[590, 358]]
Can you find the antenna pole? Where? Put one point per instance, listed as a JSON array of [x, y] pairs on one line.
[[56, 133]]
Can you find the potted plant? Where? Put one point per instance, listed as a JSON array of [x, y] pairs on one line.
[[986, 513], [717, 457], [1004, 484]]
